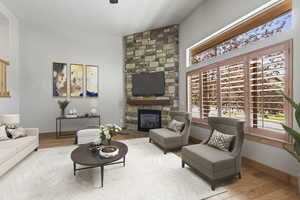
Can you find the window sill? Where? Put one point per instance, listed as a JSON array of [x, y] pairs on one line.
[[268, 141], [253, 137], [200, 124]]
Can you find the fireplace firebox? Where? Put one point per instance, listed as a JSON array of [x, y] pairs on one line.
[[149, 119]]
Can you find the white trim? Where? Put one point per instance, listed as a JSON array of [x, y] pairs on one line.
[[246, 17]]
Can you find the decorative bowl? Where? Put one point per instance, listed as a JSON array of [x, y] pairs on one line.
[[108, 151]]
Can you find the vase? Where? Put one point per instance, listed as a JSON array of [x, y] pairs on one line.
[[62, 112]]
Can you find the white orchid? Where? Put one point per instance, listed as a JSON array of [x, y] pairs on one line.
[[109, 130]]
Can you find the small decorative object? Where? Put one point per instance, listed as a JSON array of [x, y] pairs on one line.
[[108, 151], [63, 105], [91, 81], [93, 111], [295, 134], [108, 131], [60, 78], [76, 80], [74, 111], [95, 146]]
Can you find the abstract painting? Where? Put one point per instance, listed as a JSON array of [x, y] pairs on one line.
[[60, 80], [76, 80], [91, 81]]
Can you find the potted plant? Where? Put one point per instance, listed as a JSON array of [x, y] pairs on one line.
[[63, 105], [295, 152], [108, 131]]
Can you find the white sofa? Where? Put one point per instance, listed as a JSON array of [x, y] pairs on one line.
[[15, 150]]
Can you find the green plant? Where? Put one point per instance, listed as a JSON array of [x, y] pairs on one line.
[[295, 134], [63, 105]]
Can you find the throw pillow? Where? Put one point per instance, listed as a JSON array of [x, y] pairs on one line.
[[17, 133], [8, 127], [220, 140], [3, 135], [176, 126]]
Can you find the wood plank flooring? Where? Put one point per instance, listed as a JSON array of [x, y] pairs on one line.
[[254, 185]]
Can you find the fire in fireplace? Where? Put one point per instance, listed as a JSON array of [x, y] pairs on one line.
[[149, 119]]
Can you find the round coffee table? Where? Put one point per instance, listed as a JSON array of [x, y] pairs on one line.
[[83, 156]]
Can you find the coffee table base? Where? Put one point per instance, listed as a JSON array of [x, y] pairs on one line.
[[101, 168]]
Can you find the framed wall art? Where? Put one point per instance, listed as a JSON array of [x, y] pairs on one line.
[[76, 80], [60, 80], [92, 85]]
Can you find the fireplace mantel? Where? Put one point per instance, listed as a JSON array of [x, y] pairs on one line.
[[148, 102]]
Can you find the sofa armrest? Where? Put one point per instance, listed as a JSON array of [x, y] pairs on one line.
[[32, 131]]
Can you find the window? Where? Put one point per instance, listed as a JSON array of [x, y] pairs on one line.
[[246, 87], [3, 86], [266, 24]]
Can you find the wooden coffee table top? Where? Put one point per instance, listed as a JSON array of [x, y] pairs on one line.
[[83, 156]]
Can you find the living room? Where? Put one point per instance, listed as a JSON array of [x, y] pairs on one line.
[[74, 73]]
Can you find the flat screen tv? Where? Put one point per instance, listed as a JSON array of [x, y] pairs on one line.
[[148, 84]]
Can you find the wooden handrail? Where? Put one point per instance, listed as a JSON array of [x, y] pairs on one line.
[[4, 62], [3, 79]]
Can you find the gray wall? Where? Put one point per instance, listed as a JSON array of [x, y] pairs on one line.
[[213, 15], [40, 48], [11, 53]]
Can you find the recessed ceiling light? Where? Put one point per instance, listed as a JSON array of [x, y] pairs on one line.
[[113, 1]]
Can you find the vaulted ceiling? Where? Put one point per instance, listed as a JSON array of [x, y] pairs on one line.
[[128, 16]]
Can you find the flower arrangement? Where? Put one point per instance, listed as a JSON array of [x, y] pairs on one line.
[[62, 105], [108, 131]]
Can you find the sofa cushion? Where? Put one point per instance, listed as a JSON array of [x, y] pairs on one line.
[[7, 144], [166, 138], [22, 143], [208, 157], [6, 154]]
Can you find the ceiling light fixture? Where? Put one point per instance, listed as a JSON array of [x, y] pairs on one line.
[[113, 1]]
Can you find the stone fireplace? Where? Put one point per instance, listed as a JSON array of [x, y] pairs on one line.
[[151, 51], [149, 119]]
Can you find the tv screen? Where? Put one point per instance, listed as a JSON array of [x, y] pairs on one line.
[[148, 84]]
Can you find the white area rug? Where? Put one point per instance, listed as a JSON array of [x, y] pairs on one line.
[[148, 175]]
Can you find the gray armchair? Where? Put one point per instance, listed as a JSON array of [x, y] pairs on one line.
[[170, 140], [213, 164]]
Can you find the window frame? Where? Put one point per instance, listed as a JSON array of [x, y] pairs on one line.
[[254, 21], [3, 78], [285, 46]]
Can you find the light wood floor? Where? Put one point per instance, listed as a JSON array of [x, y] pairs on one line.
[[254, 185]]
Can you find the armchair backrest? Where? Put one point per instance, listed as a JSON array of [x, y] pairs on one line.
[[187, 119], [231, 127]]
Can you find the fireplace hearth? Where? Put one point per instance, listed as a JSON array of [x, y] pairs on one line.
[[149, 119]]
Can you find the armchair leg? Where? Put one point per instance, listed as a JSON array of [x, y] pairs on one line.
[[182, 164], [213, 187], [165, 151], [240, 175], [150, 140], [36, 149]]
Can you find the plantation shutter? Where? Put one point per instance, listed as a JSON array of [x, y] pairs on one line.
[[209, 91], [194, 94], [232, 91], [267, 79]]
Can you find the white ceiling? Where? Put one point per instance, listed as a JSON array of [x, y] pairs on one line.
[[129, 16]]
